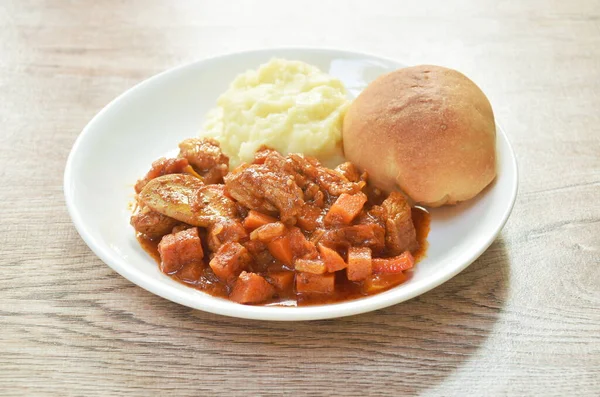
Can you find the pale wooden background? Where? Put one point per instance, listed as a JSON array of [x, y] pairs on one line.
[[522, 320]]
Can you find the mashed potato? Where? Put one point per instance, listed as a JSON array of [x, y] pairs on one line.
[[289, 106]]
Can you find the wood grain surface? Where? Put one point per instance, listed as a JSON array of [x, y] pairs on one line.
[[524, 319]]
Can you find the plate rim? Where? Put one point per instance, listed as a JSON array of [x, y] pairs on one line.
[[268, 313]]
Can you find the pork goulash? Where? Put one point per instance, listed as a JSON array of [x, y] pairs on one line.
[[279, 230]]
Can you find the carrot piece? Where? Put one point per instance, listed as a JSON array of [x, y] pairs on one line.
[[179, 249], [396, 264], [359, 263], [345, 208], [269, 232], [314, 266], [378, 282], [281, 280], [308, 283], [281, 250], [333, 260], [257, 219], [229, 261], [251, 288]]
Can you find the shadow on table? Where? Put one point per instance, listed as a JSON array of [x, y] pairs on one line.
[[409, 347]]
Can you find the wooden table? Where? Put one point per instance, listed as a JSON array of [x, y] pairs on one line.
[[524, 319]]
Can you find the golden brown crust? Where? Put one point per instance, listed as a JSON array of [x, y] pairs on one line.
[[426, 130]]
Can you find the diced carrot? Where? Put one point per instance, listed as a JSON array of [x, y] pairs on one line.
[[251, 288], [396, 264], [308, 283], [281, 280], [378, 282], [257, 219], [359, 263], [333, 260], [314, 266], [281, 250], [229, 261], [269, 232], [179, 249], [345, 208]]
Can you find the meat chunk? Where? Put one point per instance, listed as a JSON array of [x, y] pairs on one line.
[[277, 163], [369, 235], [310, 175], [206, 157], [261, 256], [300, 246], [312, 193], [262, 189], [179, 249], [152, 224], [400, 234], [229, 261], [160, 167], [203, 153], [270, 158], [310, 217], [284, 184], [255, 247], [265, 154], [375, 215], [350, 171], [225, 230], [251, 288], [331, 181]]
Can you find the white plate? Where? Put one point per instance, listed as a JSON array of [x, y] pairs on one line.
[[149, 120]]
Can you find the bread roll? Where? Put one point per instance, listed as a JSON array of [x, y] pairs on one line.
[[427, 131]]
